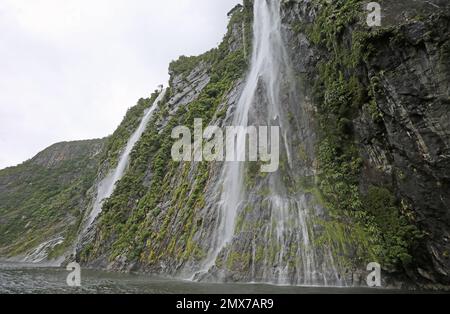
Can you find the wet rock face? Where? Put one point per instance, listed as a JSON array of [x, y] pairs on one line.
[[187, 88], [413, 97], [407, 145]]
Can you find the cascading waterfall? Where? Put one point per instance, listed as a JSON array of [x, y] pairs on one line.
[[288, 223], [104, 190], [40, 254], [107, 185]]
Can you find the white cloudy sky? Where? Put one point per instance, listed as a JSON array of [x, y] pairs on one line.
[[69, 69]]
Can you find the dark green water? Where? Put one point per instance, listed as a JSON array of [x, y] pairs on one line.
[[17, 278]]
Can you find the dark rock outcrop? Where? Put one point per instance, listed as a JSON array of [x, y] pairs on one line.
[[404, 139]]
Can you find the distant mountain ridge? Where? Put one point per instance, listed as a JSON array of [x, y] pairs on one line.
[[42, 198]]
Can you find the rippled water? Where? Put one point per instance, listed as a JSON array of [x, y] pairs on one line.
[[20, 278]]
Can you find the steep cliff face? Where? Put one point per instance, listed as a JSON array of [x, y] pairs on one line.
[[41, 200], [160, 217], [355, 109], [411, 138], [168, 217], [382, 99], [363, 134]]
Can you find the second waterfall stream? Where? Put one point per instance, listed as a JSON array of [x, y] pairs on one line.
[[107, 185]]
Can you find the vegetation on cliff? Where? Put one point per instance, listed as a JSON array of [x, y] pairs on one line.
[[368, 223], [138, 219]]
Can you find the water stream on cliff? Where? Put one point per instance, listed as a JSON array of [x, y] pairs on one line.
[[107, 185], [289, 252]]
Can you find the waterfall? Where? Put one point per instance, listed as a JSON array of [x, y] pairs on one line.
[[268, 61], [286, 236], [106, 187], [40, 254]]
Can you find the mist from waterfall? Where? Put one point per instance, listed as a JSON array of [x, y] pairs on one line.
[[108, 184], [268, 86]]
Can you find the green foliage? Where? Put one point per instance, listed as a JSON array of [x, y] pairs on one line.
[[238, 261], [396, 234], [154, 211], [40, 202], [184, 65], [362, 227]]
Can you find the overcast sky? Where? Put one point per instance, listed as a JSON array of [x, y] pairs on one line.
[[69, 69]]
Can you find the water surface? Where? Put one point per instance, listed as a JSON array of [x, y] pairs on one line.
[[25, 279]]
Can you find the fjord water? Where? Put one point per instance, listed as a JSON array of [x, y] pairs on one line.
[[268, 89], [107, 185], [28, 278]]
